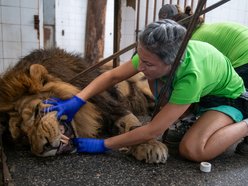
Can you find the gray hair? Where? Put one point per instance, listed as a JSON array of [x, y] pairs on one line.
[[163, 38], [167, 11]]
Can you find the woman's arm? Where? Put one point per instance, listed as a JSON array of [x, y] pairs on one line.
[[108, 79], [71, 106], [167, 116]]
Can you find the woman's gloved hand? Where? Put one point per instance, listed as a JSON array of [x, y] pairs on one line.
[[90, 145], [67, 107]]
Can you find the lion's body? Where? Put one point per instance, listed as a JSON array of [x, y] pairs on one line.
[[46, 73]]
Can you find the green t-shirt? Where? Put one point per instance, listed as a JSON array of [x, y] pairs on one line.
[[204, 71], [229, 38]]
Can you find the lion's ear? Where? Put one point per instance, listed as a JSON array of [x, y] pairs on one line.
[[14, 124], [37, 70], [38, 75]]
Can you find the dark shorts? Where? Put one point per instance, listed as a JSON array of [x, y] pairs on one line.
[[243, 72], [240, 103]]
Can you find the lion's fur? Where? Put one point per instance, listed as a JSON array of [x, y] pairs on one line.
[[44, 74]]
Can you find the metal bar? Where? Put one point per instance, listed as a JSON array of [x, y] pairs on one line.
[[116, 42], [185, 4], [192, 5], [155, 9], [147, 8], [137, 24], [214, 6], [204, 14], [165, 91], [93, 67]]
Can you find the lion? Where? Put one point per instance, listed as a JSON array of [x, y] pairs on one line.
[[46, 73]]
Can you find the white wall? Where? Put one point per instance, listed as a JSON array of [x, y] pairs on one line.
[[70, 17], [17, 33], [234, 11]]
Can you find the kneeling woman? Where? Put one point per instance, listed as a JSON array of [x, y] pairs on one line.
[[203, 71]]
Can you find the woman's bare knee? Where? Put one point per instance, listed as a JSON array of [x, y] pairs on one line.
[[198, 143], [190, 152]]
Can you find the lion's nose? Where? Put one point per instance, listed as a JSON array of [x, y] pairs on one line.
[[50, 146]]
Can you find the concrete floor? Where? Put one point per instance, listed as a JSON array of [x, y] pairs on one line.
[[115, 168]]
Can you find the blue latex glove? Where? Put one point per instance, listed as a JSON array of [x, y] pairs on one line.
[[67, 107], [90, 145]]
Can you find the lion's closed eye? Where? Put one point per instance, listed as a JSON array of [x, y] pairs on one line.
[[36, 110]]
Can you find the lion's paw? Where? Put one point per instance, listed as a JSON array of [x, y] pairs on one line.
[[151, 152]]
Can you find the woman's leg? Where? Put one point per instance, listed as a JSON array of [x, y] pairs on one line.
[[210, 136]]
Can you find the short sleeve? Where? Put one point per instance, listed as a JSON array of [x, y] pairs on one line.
[[135, 61], [186, 90]]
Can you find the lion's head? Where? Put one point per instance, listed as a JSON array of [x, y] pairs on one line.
[[26, 94], [42, 130]]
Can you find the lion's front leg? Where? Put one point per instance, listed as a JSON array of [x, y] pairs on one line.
[[152, 151]]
